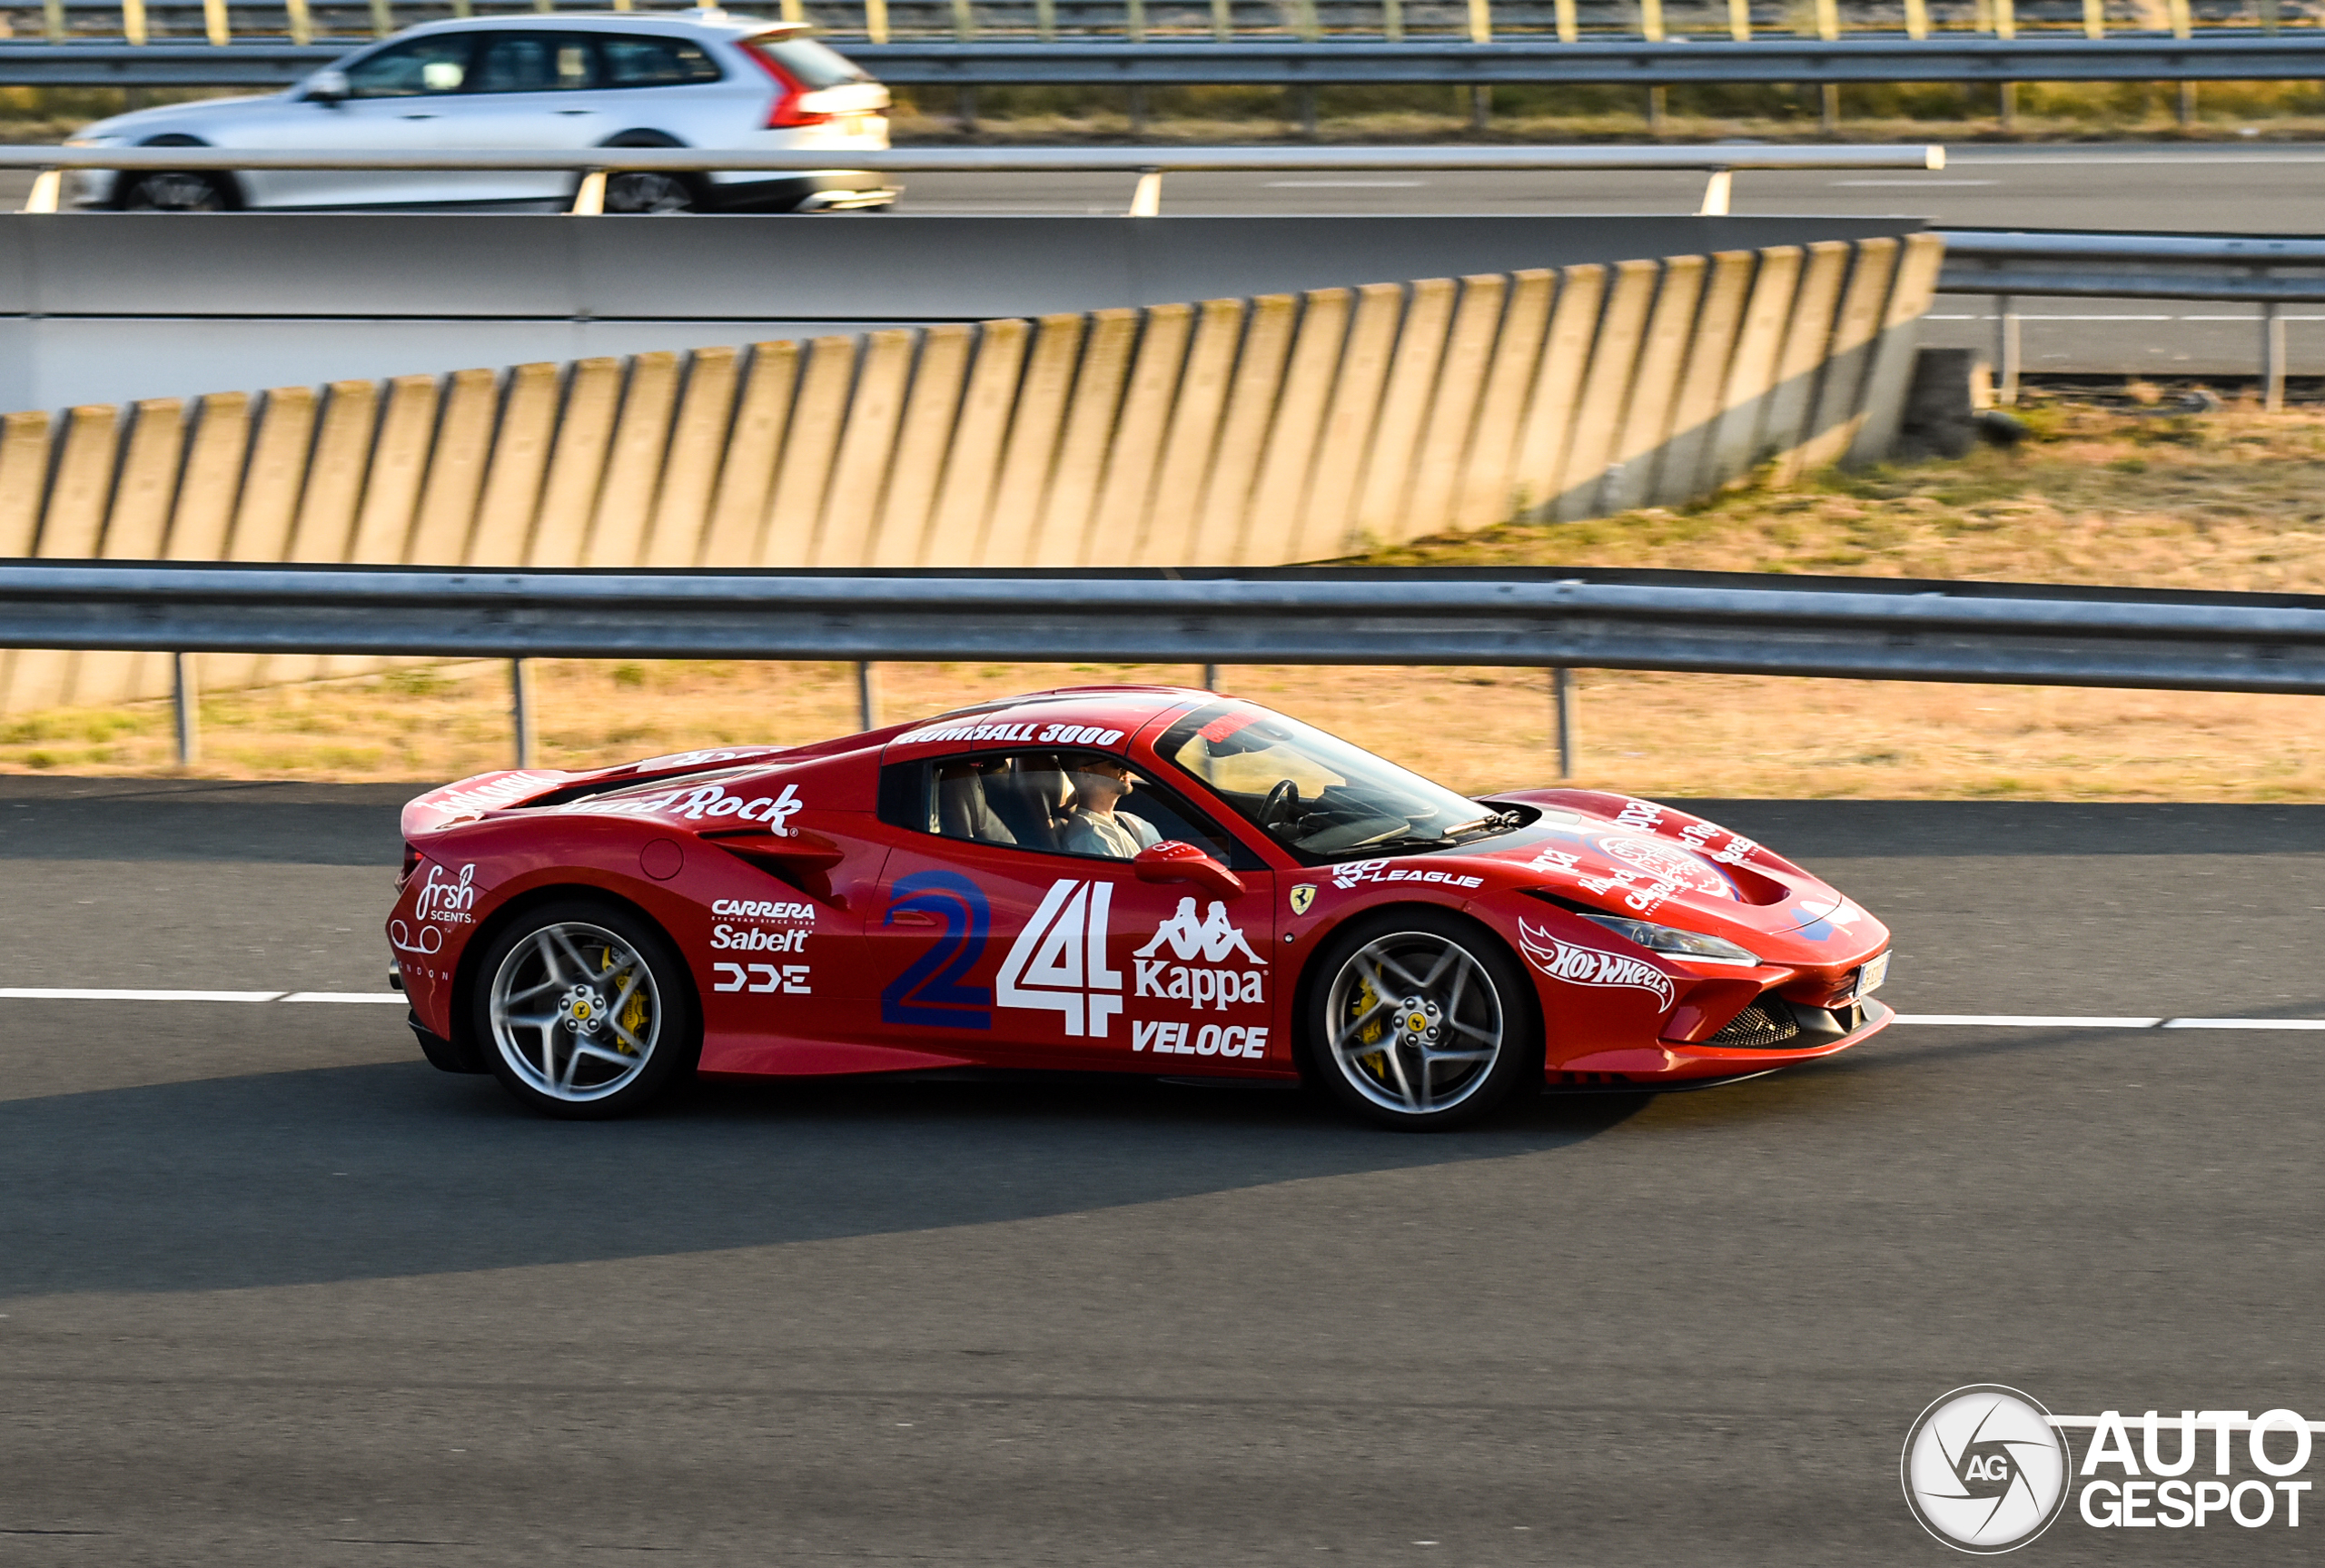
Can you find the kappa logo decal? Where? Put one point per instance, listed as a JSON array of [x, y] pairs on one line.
[[1562, 960], [1058, 962], [1213, 939]]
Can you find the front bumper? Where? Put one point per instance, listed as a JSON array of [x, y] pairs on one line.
[[1675, 1065]]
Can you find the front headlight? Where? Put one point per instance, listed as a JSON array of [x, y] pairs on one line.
[[1669, 939]]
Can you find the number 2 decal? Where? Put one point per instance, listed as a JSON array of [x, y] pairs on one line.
[[933, 990]]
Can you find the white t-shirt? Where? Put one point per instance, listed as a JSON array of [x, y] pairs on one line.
[[1108, 832]]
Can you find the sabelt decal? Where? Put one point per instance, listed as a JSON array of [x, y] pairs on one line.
[[749, 939], [1058, 962], [1579, 965]]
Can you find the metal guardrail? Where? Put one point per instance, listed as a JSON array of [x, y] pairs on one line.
[[1734, 624], [1148, 164], [1857, 629], [1294, 63], [2008, 264]]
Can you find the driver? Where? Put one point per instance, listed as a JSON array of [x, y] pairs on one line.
[[1092, 825]]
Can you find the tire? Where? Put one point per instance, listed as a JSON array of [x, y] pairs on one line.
[[582, 1010], [646, 193], [1457, 1034], [173, 191]]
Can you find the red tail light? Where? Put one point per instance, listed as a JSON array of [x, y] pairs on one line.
[[786, 115], [410, 862]]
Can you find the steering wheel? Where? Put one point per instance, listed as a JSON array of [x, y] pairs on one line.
[[1281, 806]]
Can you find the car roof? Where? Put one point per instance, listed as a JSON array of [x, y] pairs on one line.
[[682, 24]]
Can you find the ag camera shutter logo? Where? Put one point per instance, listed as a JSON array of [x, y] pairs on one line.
[[1985, 1471]]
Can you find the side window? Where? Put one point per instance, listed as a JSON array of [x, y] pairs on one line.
[[643, 59], [1058, 803], [418, 68], [536, 62]]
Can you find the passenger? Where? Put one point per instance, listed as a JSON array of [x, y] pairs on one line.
[[1093, 826]]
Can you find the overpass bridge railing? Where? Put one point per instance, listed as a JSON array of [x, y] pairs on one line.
[[1148, 165]]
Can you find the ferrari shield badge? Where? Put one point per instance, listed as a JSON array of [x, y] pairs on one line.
[[1303, 896]]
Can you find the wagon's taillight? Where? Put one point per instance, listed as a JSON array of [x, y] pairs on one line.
[[795, 106]]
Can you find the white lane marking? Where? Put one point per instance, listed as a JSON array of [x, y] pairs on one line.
[[2244, 1024], [1918, 184], [2018, 1021], [1345, 185], [2005, 160], [90, 993], [75, 993]]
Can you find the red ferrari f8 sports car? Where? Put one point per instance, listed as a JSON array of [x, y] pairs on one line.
[[1126, 879]]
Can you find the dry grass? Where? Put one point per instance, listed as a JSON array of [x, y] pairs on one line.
[[2102, 492]]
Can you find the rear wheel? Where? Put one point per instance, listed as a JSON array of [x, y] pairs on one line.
[[646, 192], [584, 1011], [1421, 1021], [172, 192]]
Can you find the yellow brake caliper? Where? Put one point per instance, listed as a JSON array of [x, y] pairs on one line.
[[1375, 1062], [633, 1012]]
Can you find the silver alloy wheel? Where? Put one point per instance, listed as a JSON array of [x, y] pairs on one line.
[[644, 192], [575, 1011], [174, 193], [1415, 1023]]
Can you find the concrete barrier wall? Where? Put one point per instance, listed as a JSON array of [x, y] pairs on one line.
[[1263, 430]]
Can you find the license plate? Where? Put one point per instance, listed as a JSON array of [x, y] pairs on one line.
[[1871, 977]]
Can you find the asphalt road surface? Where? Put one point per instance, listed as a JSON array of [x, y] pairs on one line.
[[277, 1292], [2143, 188]]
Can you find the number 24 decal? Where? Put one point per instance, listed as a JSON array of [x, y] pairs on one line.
[[933, 990]]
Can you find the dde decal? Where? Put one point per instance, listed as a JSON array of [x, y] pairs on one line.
[[762, 978]]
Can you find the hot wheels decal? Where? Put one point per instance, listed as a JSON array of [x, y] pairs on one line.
[[934, 988], [1578, 965]]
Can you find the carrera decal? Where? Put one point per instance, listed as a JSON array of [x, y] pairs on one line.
[[934, 988], [1578, 965], [1058, 962], [759, 909]]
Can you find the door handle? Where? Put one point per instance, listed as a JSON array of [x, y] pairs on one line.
[[912, 917], [420, 116], [577, 110]]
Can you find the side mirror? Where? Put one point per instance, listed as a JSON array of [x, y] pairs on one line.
[[1173, 861], [328, 87]]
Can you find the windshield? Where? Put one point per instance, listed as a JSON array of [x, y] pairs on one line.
[[1316, 795]]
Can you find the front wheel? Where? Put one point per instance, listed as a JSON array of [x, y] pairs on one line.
[[584, 1011], [1421, 1021], [173, 191]]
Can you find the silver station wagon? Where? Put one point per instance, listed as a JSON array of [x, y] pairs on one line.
[[568, 82]]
